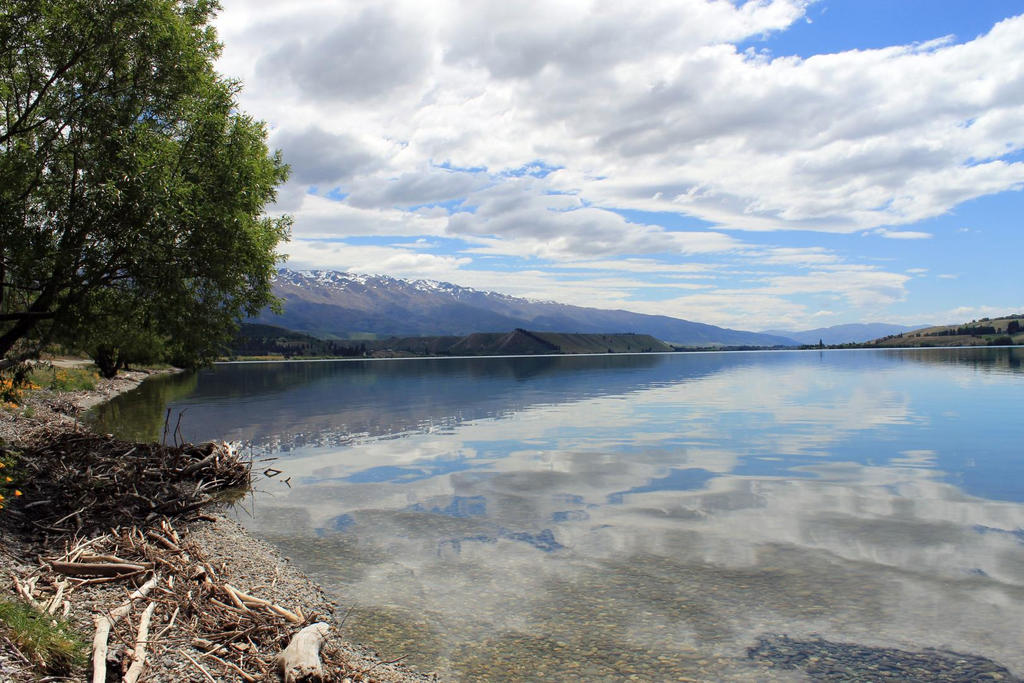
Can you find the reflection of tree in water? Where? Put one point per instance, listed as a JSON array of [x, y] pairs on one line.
[[984, 359], [139, 415], [281, 406], [284, 406]]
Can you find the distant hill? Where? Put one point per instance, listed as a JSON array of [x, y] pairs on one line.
[[842, 334], [519, 342], [269, 340], [254, 339], [331, 304], [1003, 331]]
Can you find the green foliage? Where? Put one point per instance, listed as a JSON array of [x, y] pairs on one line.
[[63, 379], [255, 340], [53, 645], [131, 187]]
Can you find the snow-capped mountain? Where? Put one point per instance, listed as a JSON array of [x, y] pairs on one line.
[[336, 304]]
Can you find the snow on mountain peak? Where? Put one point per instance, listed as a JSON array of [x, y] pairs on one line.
[[340, 280]]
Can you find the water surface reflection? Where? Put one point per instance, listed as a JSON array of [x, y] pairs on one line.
[[646, 515]]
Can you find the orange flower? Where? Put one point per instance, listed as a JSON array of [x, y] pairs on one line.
[[17, 493]]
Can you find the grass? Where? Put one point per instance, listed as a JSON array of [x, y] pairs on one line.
[[64, 379], [52, 644]]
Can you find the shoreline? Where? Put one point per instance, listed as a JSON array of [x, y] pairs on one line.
[[246, 559]]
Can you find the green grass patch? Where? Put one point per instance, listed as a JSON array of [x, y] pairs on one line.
[[51, 643], [64, 379]]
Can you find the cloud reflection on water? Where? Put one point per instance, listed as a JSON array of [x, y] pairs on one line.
[[805, 497], [486, 510]]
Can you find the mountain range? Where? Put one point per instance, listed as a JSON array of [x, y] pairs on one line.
[[337, 305], [853, 333]]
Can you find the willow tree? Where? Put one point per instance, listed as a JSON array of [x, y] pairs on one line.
[[132, 189]]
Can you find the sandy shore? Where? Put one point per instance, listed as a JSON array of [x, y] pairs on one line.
[[249, 562]]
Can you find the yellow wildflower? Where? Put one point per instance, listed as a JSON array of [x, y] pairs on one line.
[[9, 480], [17, 493]]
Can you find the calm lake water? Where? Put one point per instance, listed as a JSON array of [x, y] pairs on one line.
[[653, 516]]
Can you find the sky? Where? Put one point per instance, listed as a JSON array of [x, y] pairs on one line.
[[759, 164]]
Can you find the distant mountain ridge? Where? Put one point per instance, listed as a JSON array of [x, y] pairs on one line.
[[852, 333], [334, 304]]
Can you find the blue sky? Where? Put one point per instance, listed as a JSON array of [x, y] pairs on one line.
[[764, 164]]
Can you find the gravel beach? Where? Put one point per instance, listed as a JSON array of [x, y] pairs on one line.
[[249, 563]]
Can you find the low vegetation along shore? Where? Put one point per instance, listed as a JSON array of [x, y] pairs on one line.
[[116, 563]]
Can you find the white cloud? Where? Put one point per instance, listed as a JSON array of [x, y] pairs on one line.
[[904, 234], [317, 156], [862, 287], [320, 217], [959, 314], [733, 308], [648, 107], [361, 54], [310, 254], [653, 108], [518, 220]]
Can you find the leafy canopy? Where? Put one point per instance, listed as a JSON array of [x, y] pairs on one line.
[[132, 188]]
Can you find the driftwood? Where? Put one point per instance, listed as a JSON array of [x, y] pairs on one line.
[[139, 655], [244, 601], [300, 661], [99, 568], [110, 506], [104, 622], [93, 482]]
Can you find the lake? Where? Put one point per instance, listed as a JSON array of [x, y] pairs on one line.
[[707, 516]]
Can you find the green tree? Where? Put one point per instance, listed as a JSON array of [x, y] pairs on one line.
[[132, 189]]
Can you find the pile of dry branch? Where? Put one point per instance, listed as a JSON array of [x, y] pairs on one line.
[[174, 602], [111, 508], [77, 481]]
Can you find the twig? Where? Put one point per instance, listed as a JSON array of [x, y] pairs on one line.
[[200, 666], [390, 661], [167, 422], [247, 676], [170, 624]]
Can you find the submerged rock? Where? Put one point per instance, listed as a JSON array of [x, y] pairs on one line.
[[824, 660]]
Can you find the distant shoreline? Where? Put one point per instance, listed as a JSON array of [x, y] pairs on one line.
[[240, 361]]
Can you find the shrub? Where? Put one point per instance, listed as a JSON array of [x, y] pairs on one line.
[[8, 479]]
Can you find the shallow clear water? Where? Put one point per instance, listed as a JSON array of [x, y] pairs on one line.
[[606, 516]]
